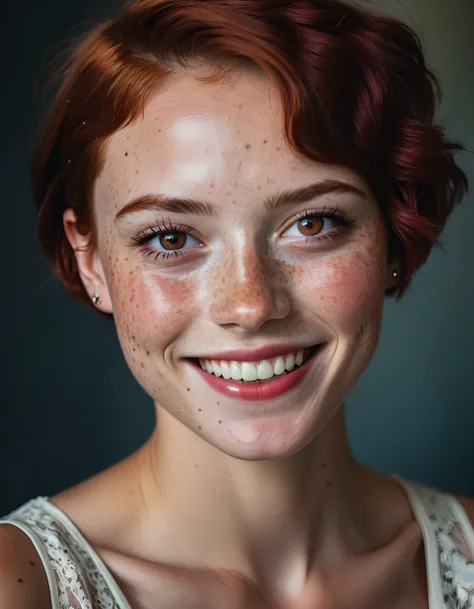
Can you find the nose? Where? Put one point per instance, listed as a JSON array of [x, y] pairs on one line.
[[247, 294]]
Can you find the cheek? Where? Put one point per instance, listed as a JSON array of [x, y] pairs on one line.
[[345, 291], [152, 309]]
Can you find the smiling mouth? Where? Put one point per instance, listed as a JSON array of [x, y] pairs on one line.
[[258, 372]]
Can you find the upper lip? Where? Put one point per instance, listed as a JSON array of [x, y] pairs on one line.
[[253, 355]]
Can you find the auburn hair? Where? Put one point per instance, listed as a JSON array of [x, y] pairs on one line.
[[355, 89]]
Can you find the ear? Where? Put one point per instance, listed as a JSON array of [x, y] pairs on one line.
[[88, 262]]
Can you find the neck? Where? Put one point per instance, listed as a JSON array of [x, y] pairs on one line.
[[270, 520]]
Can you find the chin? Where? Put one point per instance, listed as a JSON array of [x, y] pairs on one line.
[[262, 439]]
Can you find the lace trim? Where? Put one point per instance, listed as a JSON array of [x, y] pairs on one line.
[[457, 569], [80, 583]]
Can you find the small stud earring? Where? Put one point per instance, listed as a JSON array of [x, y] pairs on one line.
[[395, 273], [95, 299]]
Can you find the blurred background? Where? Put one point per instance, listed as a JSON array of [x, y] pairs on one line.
[[70, 407]]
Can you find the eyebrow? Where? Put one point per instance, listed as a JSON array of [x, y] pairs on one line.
[[161, 202]]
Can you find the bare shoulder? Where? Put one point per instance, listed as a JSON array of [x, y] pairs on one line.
[[23, 581], [103, 507]]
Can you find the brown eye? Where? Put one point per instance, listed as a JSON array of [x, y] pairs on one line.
[[173, 241], [310, 226]]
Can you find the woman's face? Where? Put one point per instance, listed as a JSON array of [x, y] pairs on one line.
[[215, 236]]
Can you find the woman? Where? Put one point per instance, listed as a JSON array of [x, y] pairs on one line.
[[239, 184]]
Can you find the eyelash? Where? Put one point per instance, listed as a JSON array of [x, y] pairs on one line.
[[332, 213], [161, 228]]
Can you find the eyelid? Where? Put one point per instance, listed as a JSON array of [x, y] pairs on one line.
[[160, 226], [332, 213], [144, 236], [141, 239]]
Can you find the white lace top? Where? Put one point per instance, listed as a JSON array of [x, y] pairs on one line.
[[78, 579]]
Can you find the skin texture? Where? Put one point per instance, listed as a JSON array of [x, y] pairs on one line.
[[267, 492], [246, 286]]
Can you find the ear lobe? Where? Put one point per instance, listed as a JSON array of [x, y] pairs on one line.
[[88, 262], [393, 277]]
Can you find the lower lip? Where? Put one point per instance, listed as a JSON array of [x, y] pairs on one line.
[[253, 392]]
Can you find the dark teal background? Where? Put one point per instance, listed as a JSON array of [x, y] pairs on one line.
[[69, 405]]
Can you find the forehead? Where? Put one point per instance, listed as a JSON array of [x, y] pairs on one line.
[[195, 135]]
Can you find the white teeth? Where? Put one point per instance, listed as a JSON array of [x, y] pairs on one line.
[[252, 371], [236, 371], [264, 370], [249, 371], [279, 366], [225, 368]]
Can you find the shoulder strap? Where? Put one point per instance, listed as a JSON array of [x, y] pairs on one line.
[[420, 502], [77, 570], [444, 519], [465, 524]]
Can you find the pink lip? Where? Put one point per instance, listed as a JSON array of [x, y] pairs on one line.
[[259, 391], [254, 355]]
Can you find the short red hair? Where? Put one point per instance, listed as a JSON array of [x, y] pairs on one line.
[[355, 89]]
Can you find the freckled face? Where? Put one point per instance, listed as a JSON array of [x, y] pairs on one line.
[[243, 274]]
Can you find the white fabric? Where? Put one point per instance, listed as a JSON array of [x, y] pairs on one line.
[[81, 580], [449, 546], [78, 578]]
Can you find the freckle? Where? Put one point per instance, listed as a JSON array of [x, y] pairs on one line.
[[323, 465], [188, 389], [20, 581], [32, 563], [126, 154], [143, 365], [265, 141], [218, 403], [248, 146], [200, 427], [328, 484], [196, 466], [148, 353], [220, 422], [278, 148], [200, 409]]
